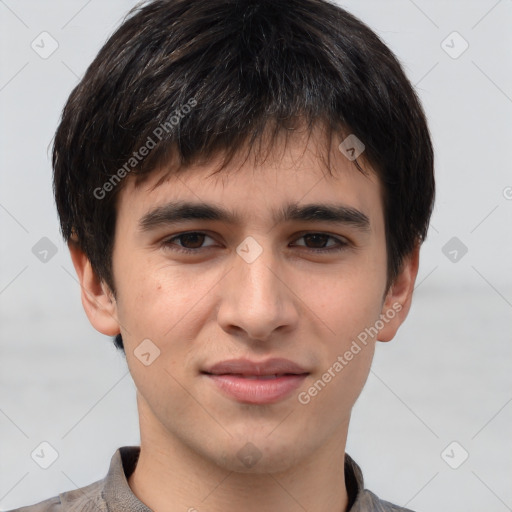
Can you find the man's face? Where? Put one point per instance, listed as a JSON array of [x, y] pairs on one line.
[[272, 295]]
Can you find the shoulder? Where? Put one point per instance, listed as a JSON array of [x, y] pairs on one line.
[[49, 505], [361, 499], [84, 499], [371, 502], [94, 497]]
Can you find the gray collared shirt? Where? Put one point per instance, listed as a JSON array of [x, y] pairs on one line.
[[113, 494]]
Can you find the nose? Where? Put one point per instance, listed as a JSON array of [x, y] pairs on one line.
[[256, 299]]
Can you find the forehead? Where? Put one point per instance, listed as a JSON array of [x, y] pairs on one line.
[[301, 168]]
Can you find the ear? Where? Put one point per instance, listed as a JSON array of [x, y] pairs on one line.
[[399, 296], [97, 299]]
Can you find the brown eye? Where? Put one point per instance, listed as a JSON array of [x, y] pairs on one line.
[[191, 242], [317, 242]]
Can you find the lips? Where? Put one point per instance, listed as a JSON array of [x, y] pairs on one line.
[[246, 368], [253, 382]]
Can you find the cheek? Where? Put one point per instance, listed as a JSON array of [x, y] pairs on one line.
[[347, 299], [349, 307], [170, 307], [160, 306], [159, 296], [351, 316], [346, 351]]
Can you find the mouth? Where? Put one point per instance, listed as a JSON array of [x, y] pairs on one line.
[[257, 377], [256, 382], [247, 368]]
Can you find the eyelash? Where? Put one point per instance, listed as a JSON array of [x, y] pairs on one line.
[[168, 243]]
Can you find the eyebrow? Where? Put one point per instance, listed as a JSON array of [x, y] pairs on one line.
[[178, 211]]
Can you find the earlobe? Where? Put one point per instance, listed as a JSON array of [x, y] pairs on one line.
[[398, 299], [97, 299]]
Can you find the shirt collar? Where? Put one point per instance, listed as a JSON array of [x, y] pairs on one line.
[[120, 498], [117, 493]]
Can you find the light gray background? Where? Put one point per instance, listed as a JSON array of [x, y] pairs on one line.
[[447, 375]]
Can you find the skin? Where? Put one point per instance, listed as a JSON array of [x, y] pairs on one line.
[[290, 302]]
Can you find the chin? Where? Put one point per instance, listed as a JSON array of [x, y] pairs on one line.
[[258, 455]]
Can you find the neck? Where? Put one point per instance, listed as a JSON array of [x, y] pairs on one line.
[[171, 477]]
